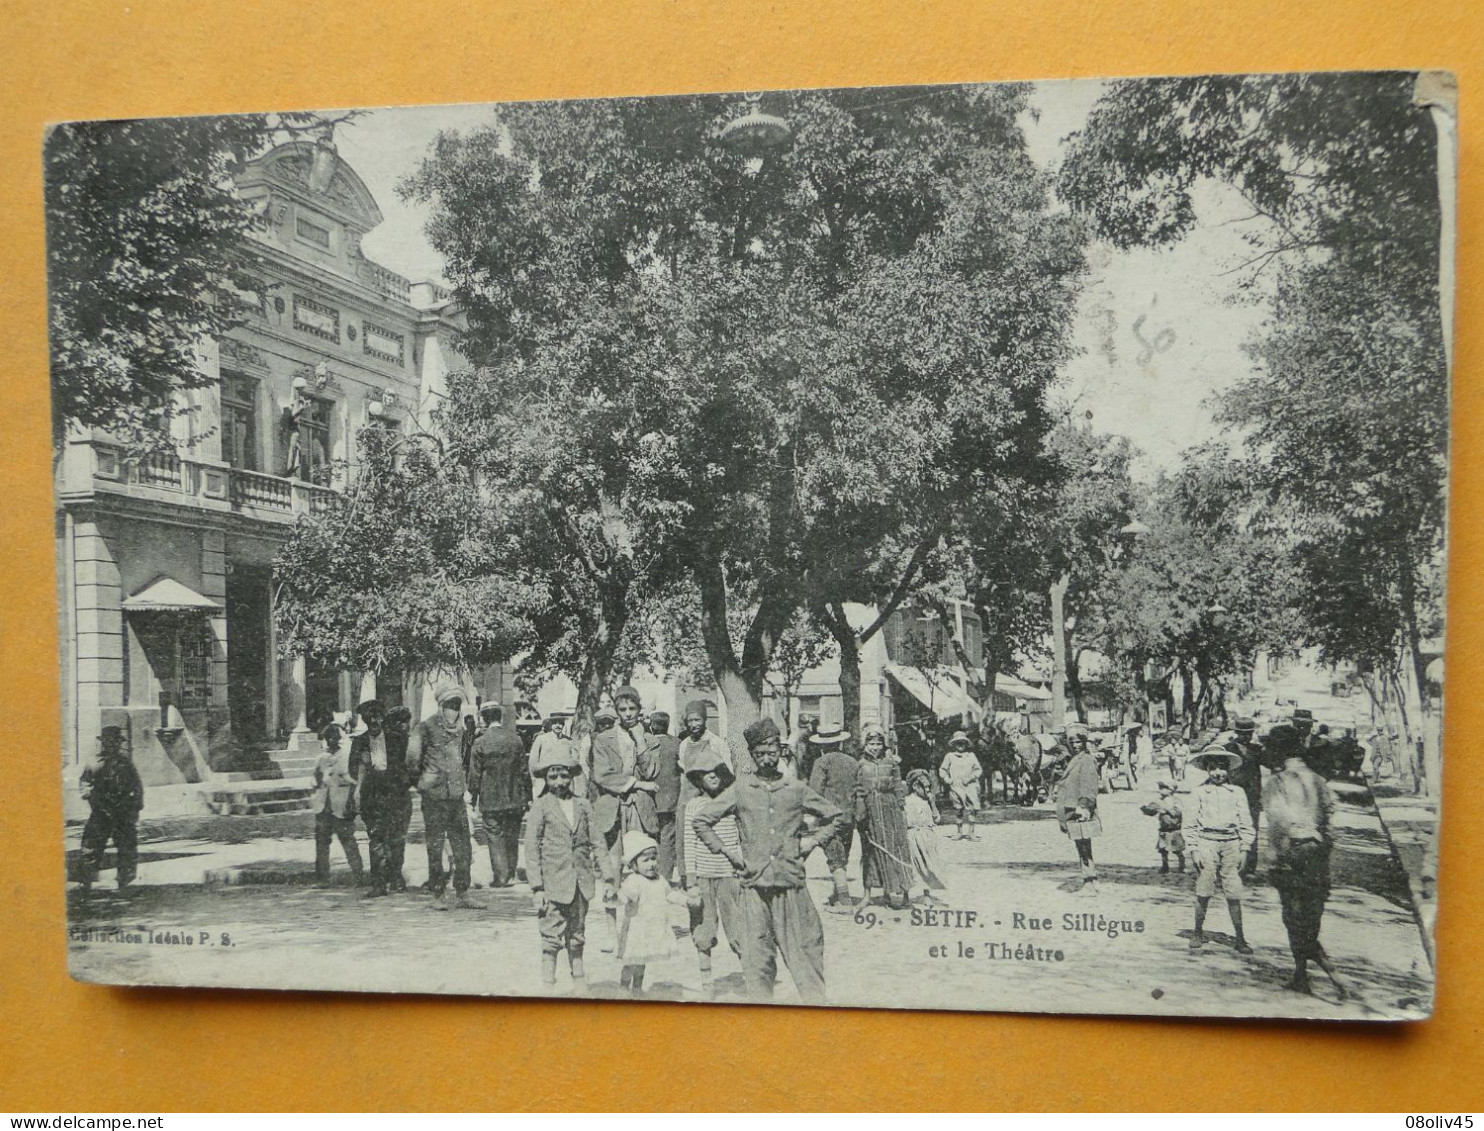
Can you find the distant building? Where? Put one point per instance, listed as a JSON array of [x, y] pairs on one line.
[[165, 562], [912, 670]]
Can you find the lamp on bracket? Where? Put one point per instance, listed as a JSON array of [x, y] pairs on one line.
[[380, 402]]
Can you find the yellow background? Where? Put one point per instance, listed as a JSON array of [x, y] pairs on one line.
[[70, 1047]]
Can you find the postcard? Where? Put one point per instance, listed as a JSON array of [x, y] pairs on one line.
[[973, 547]]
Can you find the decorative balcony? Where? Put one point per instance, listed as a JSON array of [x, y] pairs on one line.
[[254, 489], [168, 478], [162, 469]]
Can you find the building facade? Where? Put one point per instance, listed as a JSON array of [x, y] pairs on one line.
[[165, 561]]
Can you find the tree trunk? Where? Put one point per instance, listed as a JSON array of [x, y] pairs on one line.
[[1187, 700], [744, 703], [1058, 653], [1431, 766], [1074, 681], [833, 617], [597, 666]]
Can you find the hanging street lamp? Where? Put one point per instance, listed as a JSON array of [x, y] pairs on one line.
[[759, 131]]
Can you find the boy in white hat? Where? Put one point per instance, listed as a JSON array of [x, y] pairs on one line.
[[1221, 832], [644, 934], [961, 772]]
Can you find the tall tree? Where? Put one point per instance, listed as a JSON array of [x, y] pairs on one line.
[[1209, 585], [1348, 401], [400, 572], [778, 375]]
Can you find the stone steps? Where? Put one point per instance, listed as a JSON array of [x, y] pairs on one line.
[[258, 798]]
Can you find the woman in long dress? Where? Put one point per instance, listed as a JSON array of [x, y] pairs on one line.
[[922, 831], [886, 853]]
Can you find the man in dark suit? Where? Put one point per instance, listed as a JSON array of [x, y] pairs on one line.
[[116, 793], [560, 842], [1248, 777], [666, 748], [501, 789], [378, 762]]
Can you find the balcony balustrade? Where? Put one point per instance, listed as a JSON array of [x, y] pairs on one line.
[[212, 485], [253, 488]]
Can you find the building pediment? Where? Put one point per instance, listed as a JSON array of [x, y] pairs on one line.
[[312, 173]]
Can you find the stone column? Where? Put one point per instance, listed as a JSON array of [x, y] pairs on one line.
[[302, 737], [98, 638], [214, 585]]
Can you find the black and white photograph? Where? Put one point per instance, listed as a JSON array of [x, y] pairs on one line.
[[970, 547]]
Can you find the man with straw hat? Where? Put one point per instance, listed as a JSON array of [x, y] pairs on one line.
[[1221, 832], [378, 762], [1300, 810]]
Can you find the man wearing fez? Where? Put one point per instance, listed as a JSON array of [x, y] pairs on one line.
[[435, 750], [378, 762], [667, 775], [500, 789], [1220, 833], [779, 914], [1300, 808], [623, 789], [1248, 778], [116, 795]]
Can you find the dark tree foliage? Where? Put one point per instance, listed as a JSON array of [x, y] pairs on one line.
[[780, 378], [404, 571], [145, 257]]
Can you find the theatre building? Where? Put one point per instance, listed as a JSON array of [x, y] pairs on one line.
[[165, 561]]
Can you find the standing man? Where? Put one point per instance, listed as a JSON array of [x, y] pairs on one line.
[[501, 789], [834, 777], [667, 777], [1221, 832], [699, 747], [624, 788], [1248, 778], [1300, 808], [378, 762], [334, 807], [806, 748], [698, 738], [779, 914], [116, 794], [436, 751]]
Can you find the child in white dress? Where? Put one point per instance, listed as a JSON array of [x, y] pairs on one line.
[[644, 899]]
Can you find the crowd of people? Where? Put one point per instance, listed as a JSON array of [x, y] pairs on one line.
[[636, 818], [1284, 776]]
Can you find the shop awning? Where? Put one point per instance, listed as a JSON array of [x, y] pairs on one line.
[[166, 595], [1012, 685], [936, 690]]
